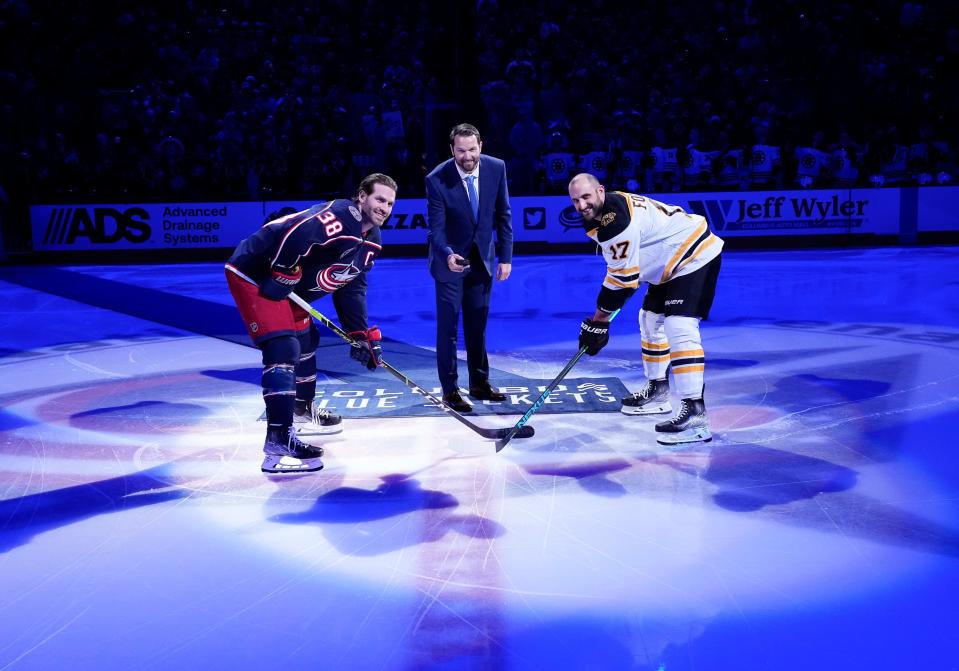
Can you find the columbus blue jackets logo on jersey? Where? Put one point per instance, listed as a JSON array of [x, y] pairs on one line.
[[344, 274]]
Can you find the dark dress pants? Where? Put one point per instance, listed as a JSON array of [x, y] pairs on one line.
[[470, 295]]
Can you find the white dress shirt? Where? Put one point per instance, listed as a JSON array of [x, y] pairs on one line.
[[463, 178]]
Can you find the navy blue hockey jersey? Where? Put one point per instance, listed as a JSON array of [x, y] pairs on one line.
[[325, 246]]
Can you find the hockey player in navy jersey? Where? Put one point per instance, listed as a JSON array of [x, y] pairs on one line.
[[325, 249], [644, 240]]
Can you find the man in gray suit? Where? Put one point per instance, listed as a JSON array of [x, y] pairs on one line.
[[467, 200]]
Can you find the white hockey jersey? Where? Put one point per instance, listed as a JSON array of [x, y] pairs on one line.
[[644, 240]]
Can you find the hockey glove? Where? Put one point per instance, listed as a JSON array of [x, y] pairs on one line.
[[593, 335], [280, 283], [370, 352]]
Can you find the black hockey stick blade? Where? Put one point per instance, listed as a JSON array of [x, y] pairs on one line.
[[493, 434], [499, 434], [521, 424], [505, 435]]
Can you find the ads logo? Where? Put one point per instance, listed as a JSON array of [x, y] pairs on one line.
[[99, 225], [534, 218]]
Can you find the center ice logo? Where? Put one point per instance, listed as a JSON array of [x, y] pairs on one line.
[[358, 398]]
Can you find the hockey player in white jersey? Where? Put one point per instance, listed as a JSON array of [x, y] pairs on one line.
[[644, 240]]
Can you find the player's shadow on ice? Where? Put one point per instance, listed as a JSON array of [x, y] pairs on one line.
[[796, 393], [24, 517], [397, 514], [852, 389], [142, 417], [751, 477], [781, 485], [591, 476]]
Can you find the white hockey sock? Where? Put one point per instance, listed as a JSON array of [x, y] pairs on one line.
[[655, 344], [686, 356]]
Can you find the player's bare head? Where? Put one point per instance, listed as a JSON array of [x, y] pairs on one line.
[[587, 194], [466, 146], [370, 181], [376, 196]]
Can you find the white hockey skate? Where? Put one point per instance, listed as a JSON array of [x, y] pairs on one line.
[[317, 421], [283, 452], [688, 426], [652, 399]]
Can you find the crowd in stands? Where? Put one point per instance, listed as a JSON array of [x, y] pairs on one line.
[[239, 100], [245, 100], [724, 95]]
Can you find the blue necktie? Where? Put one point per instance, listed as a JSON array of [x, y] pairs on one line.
[[474, 197]]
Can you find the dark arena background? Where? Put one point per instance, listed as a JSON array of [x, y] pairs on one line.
[[818, 529]]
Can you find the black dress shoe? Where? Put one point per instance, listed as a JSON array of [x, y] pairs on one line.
[[486, 393], [457, 402]]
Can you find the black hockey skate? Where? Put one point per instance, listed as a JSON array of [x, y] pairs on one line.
[[652, 399], [312, 420], [688, 426], [283, 452]]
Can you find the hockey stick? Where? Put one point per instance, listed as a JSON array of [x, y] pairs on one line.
[[493, 434], [515, 431]]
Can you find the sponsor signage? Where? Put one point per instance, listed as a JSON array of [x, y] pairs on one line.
[[551, 219], [874, 211], [151, 226]]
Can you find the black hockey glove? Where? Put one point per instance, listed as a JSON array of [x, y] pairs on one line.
[[370, 352], [280, 283], [593, 335]]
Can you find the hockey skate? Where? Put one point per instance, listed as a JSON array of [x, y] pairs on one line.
[[688, 426], [652, 399], [283, 452], [312, 420]]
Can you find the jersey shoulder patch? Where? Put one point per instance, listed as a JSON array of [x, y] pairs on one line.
[[615, 218], [348, 216]]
